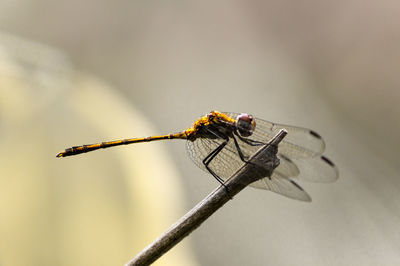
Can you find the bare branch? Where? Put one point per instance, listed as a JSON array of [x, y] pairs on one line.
[[261, 165]]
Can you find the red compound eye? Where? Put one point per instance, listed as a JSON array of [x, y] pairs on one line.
[[245, 124]]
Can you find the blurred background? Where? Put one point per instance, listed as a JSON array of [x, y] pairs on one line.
[[74, 72]]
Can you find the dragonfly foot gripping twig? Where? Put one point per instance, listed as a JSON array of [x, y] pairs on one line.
[[261, 165]]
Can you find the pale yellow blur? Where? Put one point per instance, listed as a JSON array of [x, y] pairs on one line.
[[331, 66], [94, 209]]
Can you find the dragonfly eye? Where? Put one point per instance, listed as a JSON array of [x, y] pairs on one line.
[[245, 124]]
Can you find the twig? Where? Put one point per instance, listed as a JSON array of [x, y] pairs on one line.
[[262, 163]]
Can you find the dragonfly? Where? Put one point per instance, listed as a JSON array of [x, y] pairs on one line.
[[221, 143]]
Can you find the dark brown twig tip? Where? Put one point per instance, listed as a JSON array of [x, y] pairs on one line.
[[264, 160]]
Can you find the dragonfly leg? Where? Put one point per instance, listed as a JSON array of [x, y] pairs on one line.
[[207, 160], [241, 155], [249, 141]]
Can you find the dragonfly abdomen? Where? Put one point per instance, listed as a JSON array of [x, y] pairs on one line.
[[102, 145]]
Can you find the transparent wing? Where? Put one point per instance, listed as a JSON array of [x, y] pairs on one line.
[[318, 169], [301, 148], [226, 163], [299, 154], [282, 185], [300, 143], [287, 167]]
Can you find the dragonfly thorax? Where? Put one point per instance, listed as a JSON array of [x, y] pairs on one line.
[[218, 125]]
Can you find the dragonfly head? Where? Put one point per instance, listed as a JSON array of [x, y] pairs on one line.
[[245, 124]]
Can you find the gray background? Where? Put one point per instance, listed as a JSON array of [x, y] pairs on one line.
[[331, 66]]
